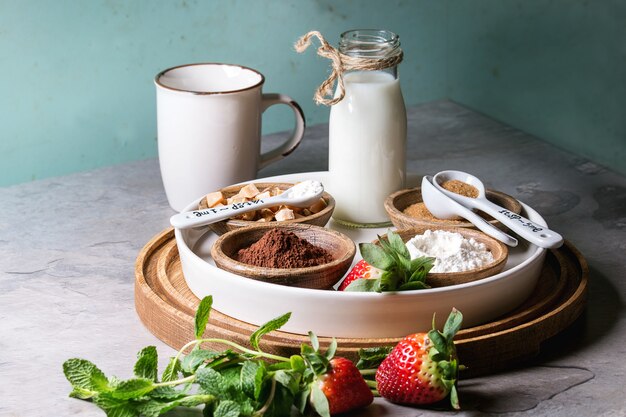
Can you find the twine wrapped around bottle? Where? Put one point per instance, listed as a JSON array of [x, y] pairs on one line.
[[340, 63]]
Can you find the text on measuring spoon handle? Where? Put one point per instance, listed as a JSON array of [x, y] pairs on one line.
[[523, 221]]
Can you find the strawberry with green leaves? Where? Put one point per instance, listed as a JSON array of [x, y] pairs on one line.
[[387, 267], [336, 386], [423, 367]]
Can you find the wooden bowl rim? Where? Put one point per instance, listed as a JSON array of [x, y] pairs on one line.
[[265, 272], [238, 223], [479, 236], [394, 212]]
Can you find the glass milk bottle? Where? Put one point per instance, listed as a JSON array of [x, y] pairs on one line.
[[367, 133]]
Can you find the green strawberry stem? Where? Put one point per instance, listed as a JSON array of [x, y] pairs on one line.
[[368, 371], [371, 384]]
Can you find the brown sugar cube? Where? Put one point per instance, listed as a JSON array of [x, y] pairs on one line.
[[249, 216], [214, 198], [284, 214], [262, 195], [274, 191], [236, 199], [318, 206], [266, 215], [249, 191]]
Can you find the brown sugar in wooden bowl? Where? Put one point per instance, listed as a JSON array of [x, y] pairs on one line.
[[318, 219], [498, 249], [398, 202], [341, 248]]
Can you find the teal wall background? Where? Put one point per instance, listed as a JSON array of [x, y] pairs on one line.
[[554, 68], [76, 89]]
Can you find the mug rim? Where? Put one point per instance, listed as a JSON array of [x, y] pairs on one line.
[[206, 93]]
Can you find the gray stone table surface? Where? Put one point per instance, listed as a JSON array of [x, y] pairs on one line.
[[68, 247]]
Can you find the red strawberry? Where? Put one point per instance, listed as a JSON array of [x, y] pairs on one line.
[[387, 266], [422, 368], [344, 387], [362, 270]]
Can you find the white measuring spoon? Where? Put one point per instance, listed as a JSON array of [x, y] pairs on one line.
[[445, 208], [532, 232], [302, 194]]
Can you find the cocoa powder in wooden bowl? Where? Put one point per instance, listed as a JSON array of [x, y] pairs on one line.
[[275, 260], [406, 209]]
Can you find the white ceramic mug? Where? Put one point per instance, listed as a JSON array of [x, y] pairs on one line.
[[209, 128]]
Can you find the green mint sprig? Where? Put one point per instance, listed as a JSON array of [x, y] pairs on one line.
[[237, 381], [399, 271]]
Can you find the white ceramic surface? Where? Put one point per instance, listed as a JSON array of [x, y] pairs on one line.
[[209, 128], [358, 315]]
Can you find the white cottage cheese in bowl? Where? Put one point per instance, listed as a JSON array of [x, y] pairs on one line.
[[452, 251]]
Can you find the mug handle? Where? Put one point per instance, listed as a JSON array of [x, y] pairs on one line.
[[292, 143]]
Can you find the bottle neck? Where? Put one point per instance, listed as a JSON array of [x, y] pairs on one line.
[[372, 45]]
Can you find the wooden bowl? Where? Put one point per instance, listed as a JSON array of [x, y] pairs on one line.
[[340, 246], [498, 249], [397, 202], [318, 219]]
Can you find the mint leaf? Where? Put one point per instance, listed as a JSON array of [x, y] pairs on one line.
[[171, 371], [413, 285], [370, 358], [84, 375], [376, 256], [197, 357], [115, 407], [364, 285], [147, 362], [232, 377], [319, 401], [288, 380], [389, 281], [271, 325], [167, 393], [154, 408], [202, 315], [211, 382], [82, 393], [227, 409], [281, 404], [397, 244], [252, 377], [133, 388]]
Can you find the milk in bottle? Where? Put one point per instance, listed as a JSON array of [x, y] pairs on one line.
[[367, 134]]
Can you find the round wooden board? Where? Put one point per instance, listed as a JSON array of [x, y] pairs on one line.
[[167, 307]]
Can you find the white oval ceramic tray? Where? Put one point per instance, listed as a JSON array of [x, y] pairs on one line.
[[349, 314]]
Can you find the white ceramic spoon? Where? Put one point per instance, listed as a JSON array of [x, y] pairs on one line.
[[445, 208], [532, 232], [302, 194]]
